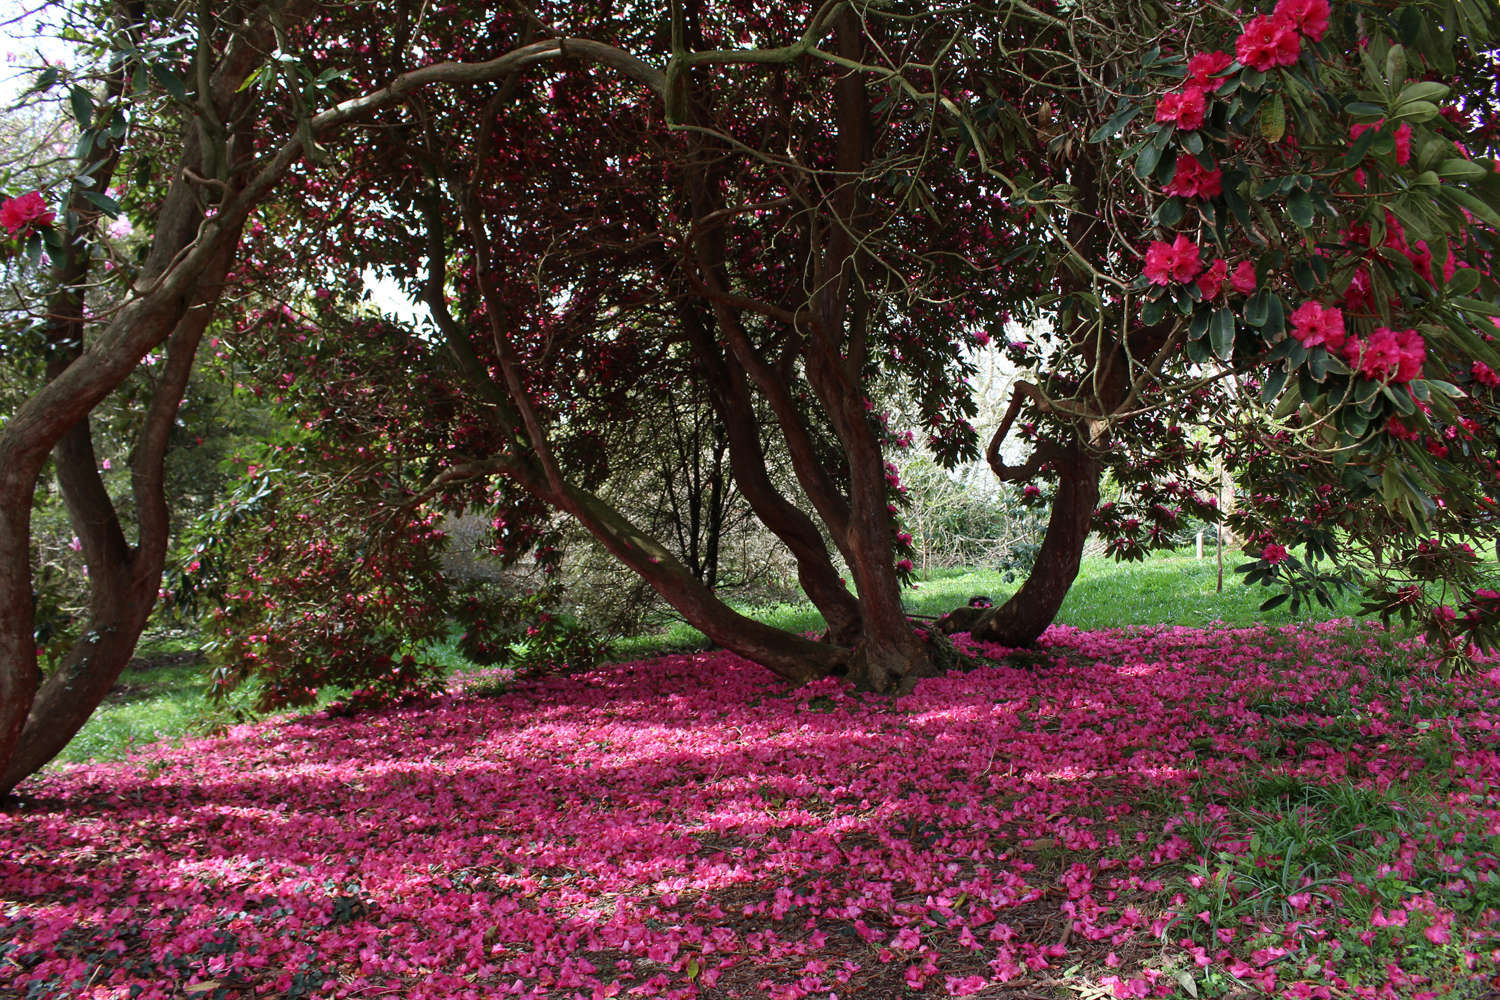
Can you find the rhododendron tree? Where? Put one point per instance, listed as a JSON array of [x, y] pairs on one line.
[[1278, 224], [808, 204]]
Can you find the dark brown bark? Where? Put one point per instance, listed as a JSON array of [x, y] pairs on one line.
[[181, 273], [789, 656], [729, 393], [1023, 618], [124, 581]]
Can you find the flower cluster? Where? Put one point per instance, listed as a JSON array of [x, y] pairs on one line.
[[1388, 355], [1177, 261], [1317, 325], [1275, 39], [26, 214], [1192, 180], [1187, 108]]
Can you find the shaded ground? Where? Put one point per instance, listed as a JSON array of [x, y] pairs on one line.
[[1154, 812]]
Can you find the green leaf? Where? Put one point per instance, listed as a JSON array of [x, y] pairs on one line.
[[104, 203], [1275, 316], [83, 106], [1147, 161], [1273, 120], [1153, 312], [169, 80], [45, 79], [1478, 306], [1395, 66], [1445, 388], [1479, 207], [1423, 90], [1465, 280], [1363, 109], [1267, 605], [1237, 206], [255, 75], [1361, 147], [1198, 325], [1170, 213], [1306, 279], [1415, 111], [1299, 206], [1460, 169], [1116, 124], [1258, 309], [1221, 333], [1290, 400], [1275, 382], [1193, 143]]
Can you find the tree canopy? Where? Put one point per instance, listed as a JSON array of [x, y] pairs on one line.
[[1265, 238]]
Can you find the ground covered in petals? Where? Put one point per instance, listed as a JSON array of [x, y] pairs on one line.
[[1305, 812]]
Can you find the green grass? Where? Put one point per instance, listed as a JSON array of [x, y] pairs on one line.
[[1167, 589], [167, 699], [161, 695]]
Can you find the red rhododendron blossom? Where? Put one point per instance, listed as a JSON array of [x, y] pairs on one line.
[[1400, 431], [1317, 325], [1309, 16], [1268, 42], [1413, 354], [26, 214], [1358, 296], [1403, 143], [1211, 282], [1186, 107], [1206, 64], [1485, 375], [1274, 553], [1176, 261], [1191, 180], [1388, 355], [1243, 278]]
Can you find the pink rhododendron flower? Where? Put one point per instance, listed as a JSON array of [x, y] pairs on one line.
[[1396, 429], [1403, 143], [1388, 355], [1210, 282], [1485, 375], [1186, 107], [1243, 278], [1191, 180], [26, 214], [1308, 16], [1274, 553], [1206, 64], [1317, 325], [1358, 295], [1268, 42], [1176, 261]]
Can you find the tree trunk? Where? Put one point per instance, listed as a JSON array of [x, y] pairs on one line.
[[789, 656], [1023, 618], [123, 581]]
